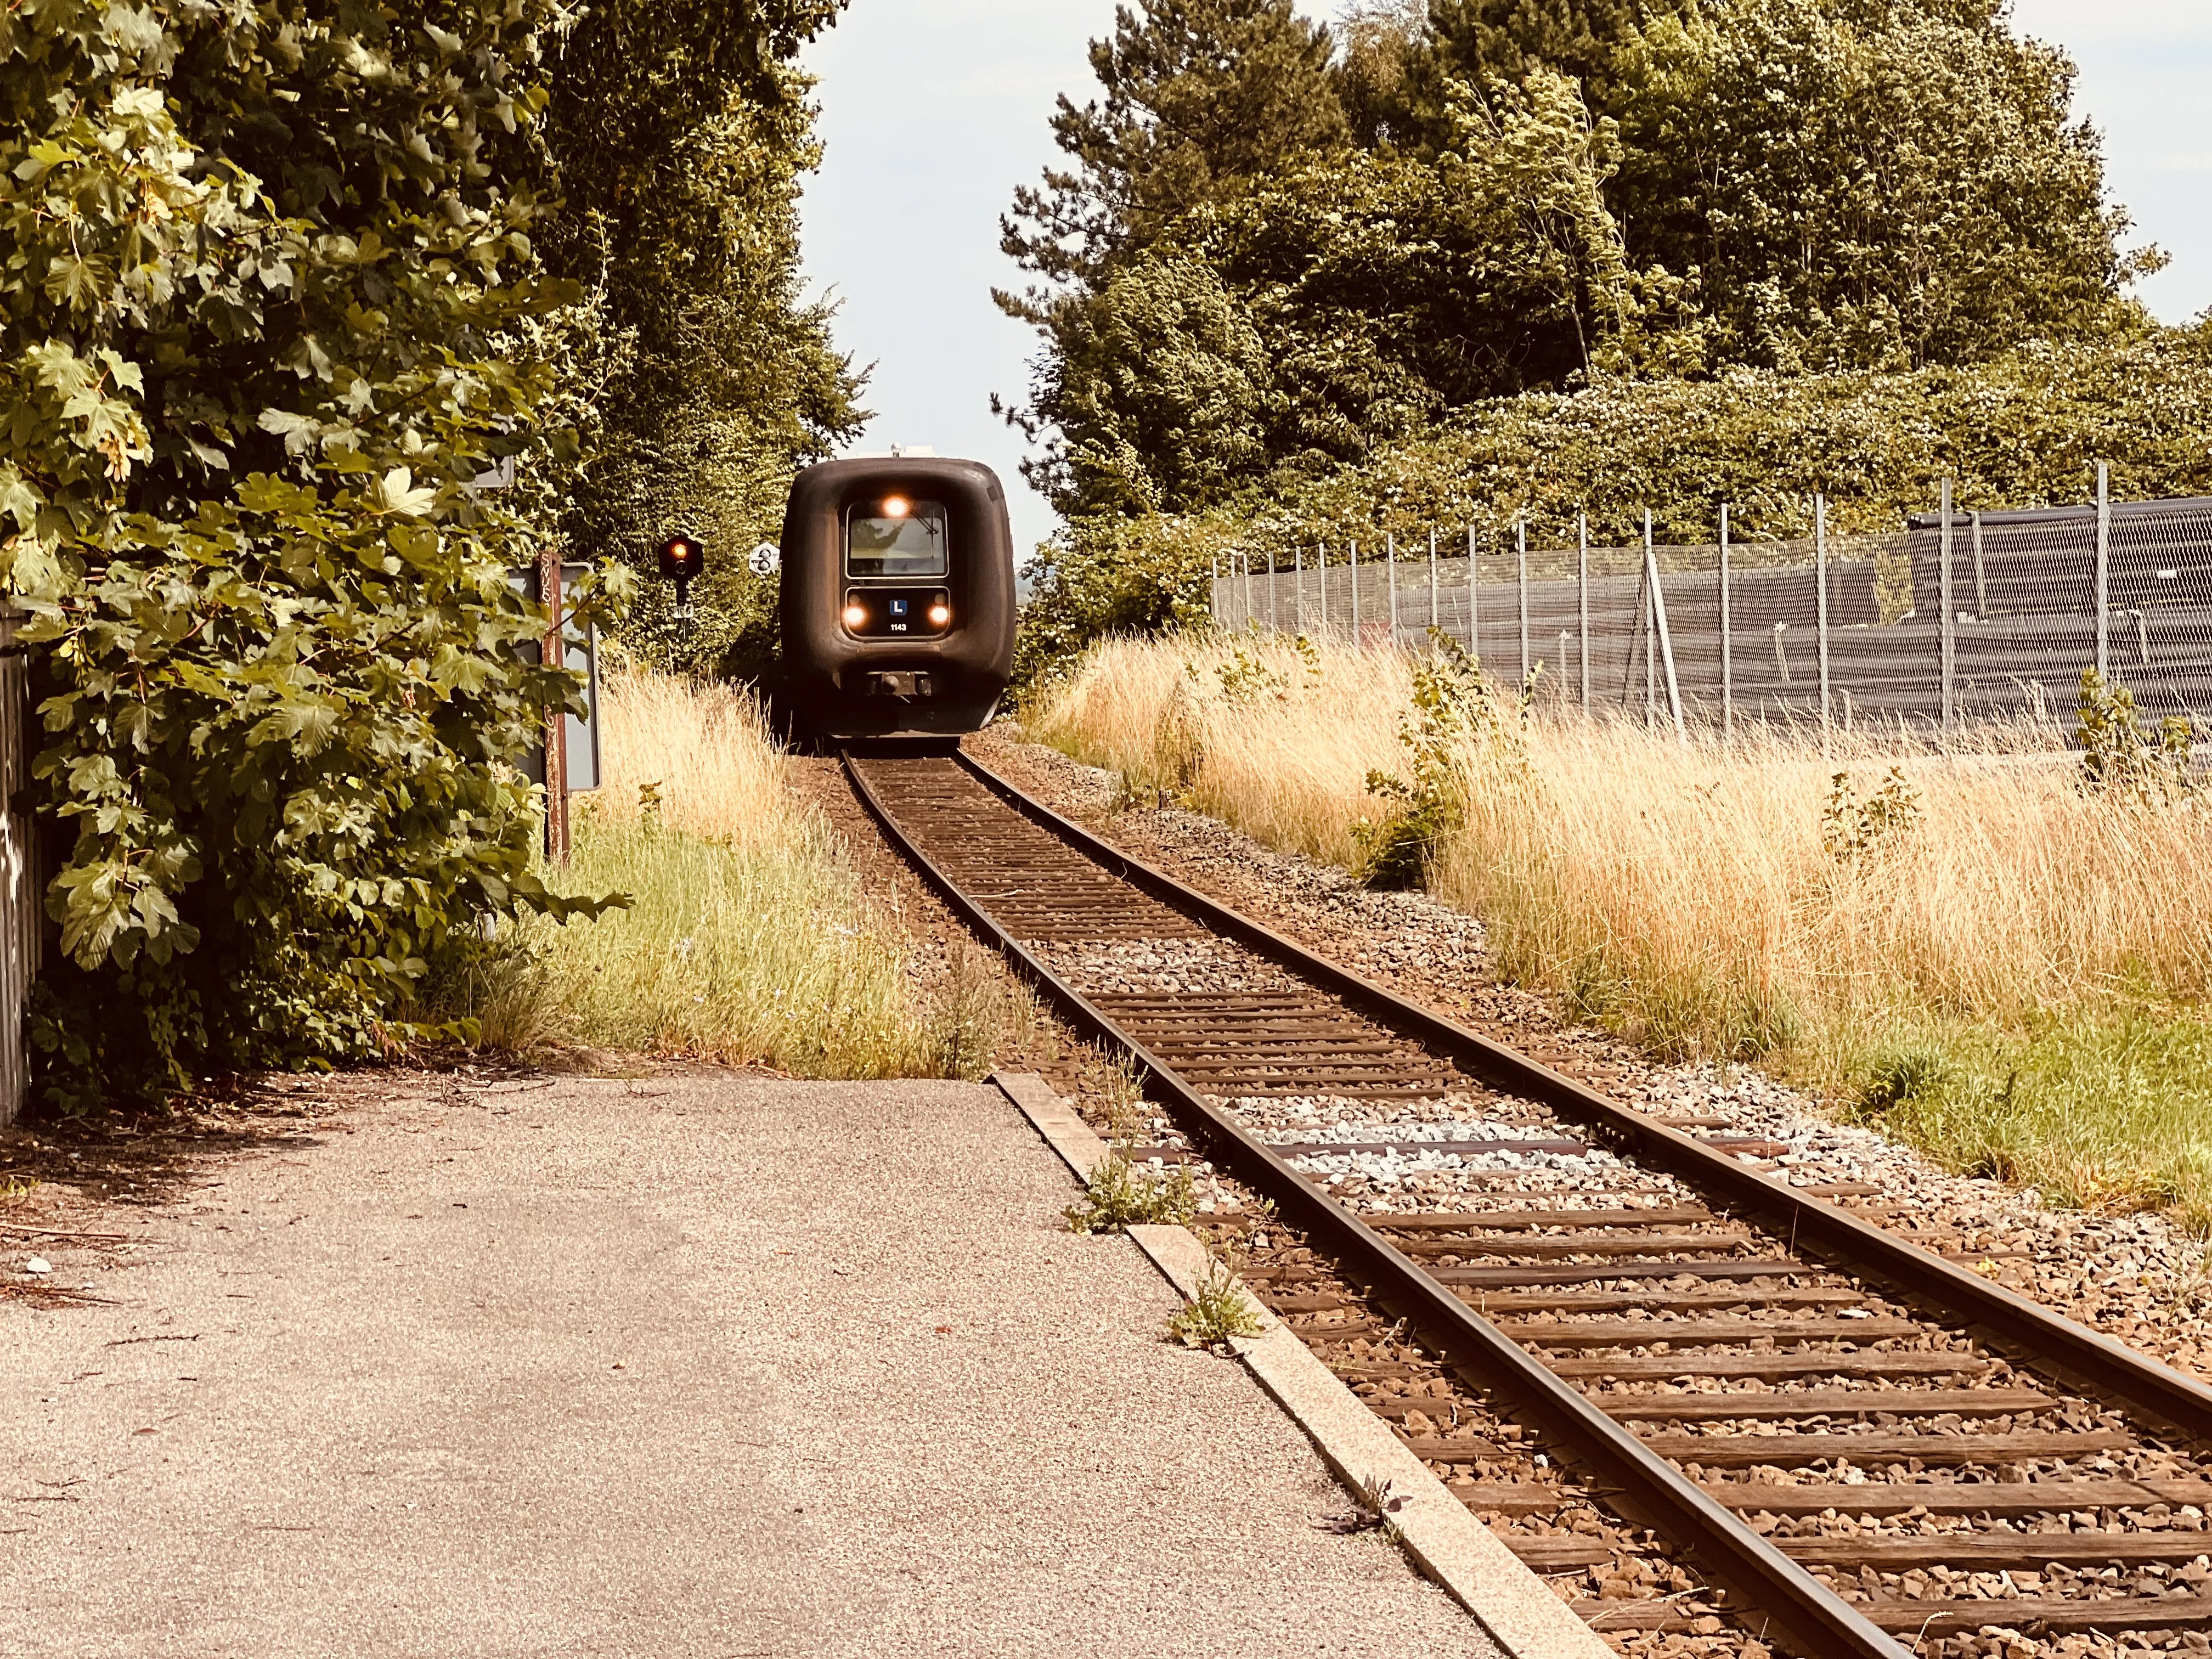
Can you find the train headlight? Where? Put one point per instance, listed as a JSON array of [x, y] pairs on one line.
[[895, 507], [855, 615], [940, 615]]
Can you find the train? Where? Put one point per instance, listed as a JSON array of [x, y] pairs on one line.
[[897, 602]]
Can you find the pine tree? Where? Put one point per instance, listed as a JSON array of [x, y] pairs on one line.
[[1201, 96]]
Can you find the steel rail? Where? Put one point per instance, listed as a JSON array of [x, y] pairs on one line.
[[2047, 1339], [1813, 1618]]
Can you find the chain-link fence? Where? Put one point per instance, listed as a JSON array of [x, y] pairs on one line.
[[1962, 618]]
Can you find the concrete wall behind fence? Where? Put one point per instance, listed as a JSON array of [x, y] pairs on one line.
[[2025, 617]]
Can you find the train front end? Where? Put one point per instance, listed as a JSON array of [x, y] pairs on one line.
[[898, 600]]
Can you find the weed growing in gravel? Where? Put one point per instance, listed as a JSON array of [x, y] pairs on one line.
[[1217, 1312], [973, 1015], [1375, 1504], [1128, 1116], [1118, 1196]]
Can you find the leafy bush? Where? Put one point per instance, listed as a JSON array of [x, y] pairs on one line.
[[2122, 761], [1854, 830], [2026, 429], [266, 263], [1454, 716]]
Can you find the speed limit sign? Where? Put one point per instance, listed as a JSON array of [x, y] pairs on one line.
[[763, 559]]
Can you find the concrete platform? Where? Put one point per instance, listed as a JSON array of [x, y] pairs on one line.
[[710, 1365]]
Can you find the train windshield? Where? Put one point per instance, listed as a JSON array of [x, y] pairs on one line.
[[896, 537]]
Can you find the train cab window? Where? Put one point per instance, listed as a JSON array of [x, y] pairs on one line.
[[896, 537]]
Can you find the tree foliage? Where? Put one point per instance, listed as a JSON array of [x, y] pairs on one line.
[[2026, 429], [260, 255], [1487, 197], [681, 135]]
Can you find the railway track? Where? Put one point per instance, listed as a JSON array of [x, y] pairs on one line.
[[1770, 1417]]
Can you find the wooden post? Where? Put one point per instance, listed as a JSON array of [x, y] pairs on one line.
[[1213, 591], [553, 654], [22, 914], [1274, 620], [1727, 646], [1298, 585], [1321, 574]]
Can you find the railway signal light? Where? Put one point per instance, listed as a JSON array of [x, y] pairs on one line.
[[682, 557]]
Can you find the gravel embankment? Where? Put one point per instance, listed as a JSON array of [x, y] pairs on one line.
[[2136, 1277]]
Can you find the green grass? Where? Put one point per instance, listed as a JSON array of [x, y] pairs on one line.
[[763, 954], [2095, 1108]]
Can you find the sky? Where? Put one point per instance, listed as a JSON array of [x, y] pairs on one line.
[[932, 110]]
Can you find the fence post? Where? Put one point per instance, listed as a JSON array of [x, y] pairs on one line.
[[1821, 599], [2104, 571], [1298, 586], [1432, 581], [1274, 620], [1727, 646], [1321, 581], [1582, 598], [1521, 544], [1355, 596], [1474, 617], [1659, 619], [1390, 582], [1981, 575], [1250, 616], [1213, 592], [1949, 619], [1650, 652]]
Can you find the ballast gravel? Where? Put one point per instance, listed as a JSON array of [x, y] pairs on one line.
[[2138, 1278], [702, 1364]]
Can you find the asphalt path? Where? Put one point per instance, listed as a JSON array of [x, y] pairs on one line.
[[709, 1365]]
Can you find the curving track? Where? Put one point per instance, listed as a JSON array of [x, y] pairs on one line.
[[1852, 1443]]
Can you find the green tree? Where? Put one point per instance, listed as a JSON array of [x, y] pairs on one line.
[[1347, 302], [1480, 41], [681, 135], [257, 259], [1202, 96], [1868, 182]]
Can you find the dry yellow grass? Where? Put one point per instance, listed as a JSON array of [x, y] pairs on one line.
[[705, 750], [749, 941], [2012, 972]]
